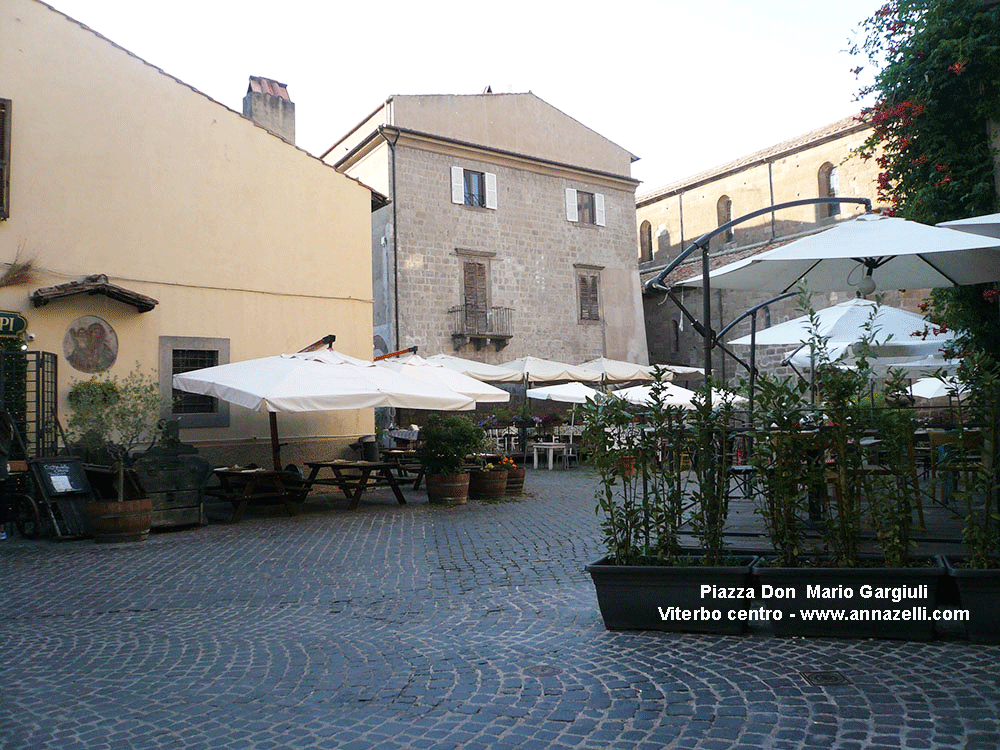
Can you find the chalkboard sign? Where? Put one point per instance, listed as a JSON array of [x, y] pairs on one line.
[[64, 487], [62, 476]]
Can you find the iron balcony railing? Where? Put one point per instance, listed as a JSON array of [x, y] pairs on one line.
[[482, 322]]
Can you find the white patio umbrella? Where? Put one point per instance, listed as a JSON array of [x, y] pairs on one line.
[[314, 381], [536, 370], [929, 389], [570, 393], [844, 326], [673, 395], [479, 370], [437, 375], [894, 253], [617, 371], [987, 226]]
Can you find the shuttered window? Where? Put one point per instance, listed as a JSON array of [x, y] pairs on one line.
[[471, 188], [584, 207], [590, 296], [4, 158], [476, 295]]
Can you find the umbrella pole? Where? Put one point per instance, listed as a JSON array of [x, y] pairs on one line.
[[275, 445]]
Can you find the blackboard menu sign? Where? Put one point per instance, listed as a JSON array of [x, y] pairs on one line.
[[61, 477]]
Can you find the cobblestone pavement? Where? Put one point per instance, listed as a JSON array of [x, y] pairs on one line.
[[423, 627]]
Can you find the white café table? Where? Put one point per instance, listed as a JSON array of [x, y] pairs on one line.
[[550, 448]]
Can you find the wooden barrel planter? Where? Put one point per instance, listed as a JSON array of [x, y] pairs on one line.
[[515, 481], [447, 489], [488, 485], [125, 521]]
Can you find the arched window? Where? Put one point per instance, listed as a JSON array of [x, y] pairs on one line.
[[675, 336], [767, 316], [827, 177], [645, 242], [724, 209]]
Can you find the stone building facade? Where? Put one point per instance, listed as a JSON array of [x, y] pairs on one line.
[[510, 231], [822, 163]]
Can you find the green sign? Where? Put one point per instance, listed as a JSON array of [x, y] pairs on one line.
[[12, 323]]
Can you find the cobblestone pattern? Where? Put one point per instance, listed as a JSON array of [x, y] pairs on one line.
[[417, 627]]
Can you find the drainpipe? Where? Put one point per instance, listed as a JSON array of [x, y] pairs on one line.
[[395, 246]]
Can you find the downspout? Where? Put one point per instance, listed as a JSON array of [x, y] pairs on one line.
[[395, 247]]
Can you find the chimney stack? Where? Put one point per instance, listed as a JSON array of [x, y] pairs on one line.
[[268, 105]]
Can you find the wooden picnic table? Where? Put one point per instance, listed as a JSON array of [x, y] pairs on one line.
[[354, 477], [241, 486]]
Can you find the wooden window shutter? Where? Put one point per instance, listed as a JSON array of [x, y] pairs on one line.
[[475, 284], [571, 214], [457, 185], [589, 297], [599, 209], [491, 190]]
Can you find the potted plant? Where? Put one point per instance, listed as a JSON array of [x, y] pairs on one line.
[[515, 477], [488, 481], [445, 442], [110, 417], [648, 580], [800, 450], [977, 575]]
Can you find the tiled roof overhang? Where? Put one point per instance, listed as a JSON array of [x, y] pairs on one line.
[[95, 284]]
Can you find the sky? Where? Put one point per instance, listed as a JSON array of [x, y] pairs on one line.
[[684, 85]]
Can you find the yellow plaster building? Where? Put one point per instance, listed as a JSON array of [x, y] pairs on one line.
[[165, 229]]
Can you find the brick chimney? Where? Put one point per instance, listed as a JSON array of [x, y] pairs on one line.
[[268, 105]]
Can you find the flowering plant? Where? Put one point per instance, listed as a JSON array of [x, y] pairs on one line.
[[507, 463]]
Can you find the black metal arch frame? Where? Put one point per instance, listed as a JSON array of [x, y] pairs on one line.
[[704, 328]]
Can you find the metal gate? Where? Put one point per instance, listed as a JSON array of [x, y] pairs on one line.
[[28, 394]]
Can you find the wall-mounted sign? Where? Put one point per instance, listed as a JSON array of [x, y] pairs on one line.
[[90, 344], [12, 323]]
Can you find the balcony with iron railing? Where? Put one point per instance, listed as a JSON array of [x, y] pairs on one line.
[[481, 326]]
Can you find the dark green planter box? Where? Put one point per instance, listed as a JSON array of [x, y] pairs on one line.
[[635, 597], [979, 593], [864, 616]]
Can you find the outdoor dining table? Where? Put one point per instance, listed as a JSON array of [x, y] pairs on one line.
[[240, 486], [550, 448], [354, 477]]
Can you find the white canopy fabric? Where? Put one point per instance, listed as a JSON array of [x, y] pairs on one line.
[[906, 255], [987, 226], [930, 389], [479, 370], [911, 366], [617, 371], [673, 395], [844, 326], [570, 393], [322, 380], [439, 376], [537, 370]]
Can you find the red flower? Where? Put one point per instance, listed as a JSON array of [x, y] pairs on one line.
[[958, 67], [991, 295]]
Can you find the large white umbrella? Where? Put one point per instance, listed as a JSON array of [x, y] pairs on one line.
[[479, 370], [988, 225], [536, 370], [673, 395], [314, 381], [570, 393], [438, 376], [617, 371], [895, 253], [930, 389], [844, 325]]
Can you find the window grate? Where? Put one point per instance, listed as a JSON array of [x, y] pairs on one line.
[[186, 360]]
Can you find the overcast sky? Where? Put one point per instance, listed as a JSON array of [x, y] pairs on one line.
[[684, 85]]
